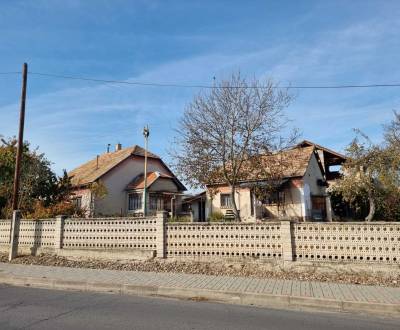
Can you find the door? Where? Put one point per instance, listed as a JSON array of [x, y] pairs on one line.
[[318, 204]]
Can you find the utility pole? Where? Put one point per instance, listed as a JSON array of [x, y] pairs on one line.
[[16, 213], [20, 138], [146, 133]]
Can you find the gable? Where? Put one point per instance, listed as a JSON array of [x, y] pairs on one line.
[[94, 169]]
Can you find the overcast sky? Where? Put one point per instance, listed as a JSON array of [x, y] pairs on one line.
[[190, 42]]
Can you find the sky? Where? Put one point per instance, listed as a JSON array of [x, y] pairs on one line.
[[190, 42]]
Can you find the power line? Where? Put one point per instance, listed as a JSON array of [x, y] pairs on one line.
[[208, 86], [119, 81], [155, 84]]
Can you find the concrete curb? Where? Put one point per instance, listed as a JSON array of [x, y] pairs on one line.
[[230, 297]]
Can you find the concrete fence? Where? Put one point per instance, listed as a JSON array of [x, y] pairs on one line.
[[126, 238]]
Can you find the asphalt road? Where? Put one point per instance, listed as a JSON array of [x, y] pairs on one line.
[[28, 308]]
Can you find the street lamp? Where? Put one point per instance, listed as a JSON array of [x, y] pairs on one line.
[[146, 133]]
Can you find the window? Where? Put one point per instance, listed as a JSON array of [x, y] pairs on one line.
[[77, 202], [134, 201], [226, 201], [156, 202]]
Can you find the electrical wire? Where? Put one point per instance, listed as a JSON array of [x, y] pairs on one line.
[[177, 85]]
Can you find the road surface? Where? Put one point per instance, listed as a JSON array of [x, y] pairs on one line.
[[28, 308]]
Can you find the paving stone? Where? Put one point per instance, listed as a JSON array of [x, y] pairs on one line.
[[287, 288], [333, 291]]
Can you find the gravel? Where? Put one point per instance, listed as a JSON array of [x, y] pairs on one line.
[[210, 268]]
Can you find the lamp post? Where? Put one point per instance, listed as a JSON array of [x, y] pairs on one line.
[[146, 133]]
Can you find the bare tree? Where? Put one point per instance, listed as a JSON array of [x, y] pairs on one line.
[[392, 132], [270, 170], [223, 130]]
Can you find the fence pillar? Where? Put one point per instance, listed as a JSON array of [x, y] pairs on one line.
[[286, 239], [14, 234], [59, 231], [160, 233]]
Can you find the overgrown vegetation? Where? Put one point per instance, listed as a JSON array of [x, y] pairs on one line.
[[371, 176], [179, 219], [42, 193], [216, 217]]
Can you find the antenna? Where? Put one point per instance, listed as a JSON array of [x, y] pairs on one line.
[[146, 133]]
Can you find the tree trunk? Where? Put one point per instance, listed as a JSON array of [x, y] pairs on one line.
[[371, 213], [235, 210]]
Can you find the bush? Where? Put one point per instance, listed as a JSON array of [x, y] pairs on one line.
[[184, 218], [61, 208], [216, 217]]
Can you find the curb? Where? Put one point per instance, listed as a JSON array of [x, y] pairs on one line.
[[230, 297]]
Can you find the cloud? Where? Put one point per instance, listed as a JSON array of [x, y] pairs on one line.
[[75, 122]]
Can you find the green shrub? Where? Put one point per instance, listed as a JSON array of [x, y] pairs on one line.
[[216, 217], [184, 218]]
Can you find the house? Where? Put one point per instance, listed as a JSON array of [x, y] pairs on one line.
[[121, 173], [331, 160], [195, 206], [299, 177]]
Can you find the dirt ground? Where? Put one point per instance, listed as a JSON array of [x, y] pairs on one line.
[[212, 268]]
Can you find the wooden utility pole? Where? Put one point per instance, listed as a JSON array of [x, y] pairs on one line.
[[20, 138], [146, 134], [14, 230]]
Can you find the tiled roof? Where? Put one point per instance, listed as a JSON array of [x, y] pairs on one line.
[[307, 143], [289, 163], [138, 182], [95, 168]]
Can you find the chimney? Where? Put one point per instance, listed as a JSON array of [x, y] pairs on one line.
[[97, 162], [108, 148], [118, 147]]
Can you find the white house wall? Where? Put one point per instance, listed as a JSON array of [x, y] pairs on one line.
[[86, 197], [297, 197], [313, 174], [116, 181]]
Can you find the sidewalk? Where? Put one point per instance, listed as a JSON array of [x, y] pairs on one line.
[[238, 290]]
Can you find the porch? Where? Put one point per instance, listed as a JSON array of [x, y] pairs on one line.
[[156, 201]]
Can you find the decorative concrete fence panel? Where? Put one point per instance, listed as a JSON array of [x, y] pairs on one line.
[[5, 231], [32, 233], [347, 242], [36, 233], [224, 240], [110, 233], [131, 238]]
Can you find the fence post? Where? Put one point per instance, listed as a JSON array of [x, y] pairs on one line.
[[59, 231], [160, 233], [14, 235], [286, 239]]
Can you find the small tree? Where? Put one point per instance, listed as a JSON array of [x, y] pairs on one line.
[[392, 133], [39, 184], [222, 131], [98, 191], [371, 175], [271, 169]]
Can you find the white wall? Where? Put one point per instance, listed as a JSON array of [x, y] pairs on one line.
[[116, 181], [297, 197], [314, 173], [86, 198]]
